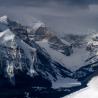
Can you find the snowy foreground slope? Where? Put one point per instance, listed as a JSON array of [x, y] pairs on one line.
[[91, 91]]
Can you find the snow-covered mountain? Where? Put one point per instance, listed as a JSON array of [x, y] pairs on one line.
[[35, 57], [19, 53]]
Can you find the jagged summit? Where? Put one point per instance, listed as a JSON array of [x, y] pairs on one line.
[[6, 36], [38, 25]]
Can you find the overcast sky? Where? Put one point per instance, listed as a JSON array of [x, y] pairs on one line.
[[62, 16]]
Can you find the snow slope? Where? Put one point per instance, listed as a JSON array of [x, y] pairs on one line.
[[91, 91], [72, 62], [81, 55]]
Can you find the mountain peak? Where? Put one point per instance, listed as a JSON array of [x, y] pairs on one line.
[[38, 25], [4, 19]]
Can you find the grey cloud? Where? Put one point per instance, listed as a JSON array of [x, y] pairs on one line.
[[45, 2], [62, 16]]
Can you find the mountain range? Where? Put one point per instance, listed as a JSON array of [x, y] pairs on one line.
[[36, 63]]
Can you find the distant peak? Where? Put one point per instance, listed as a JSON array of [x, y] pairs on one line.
[[4, 19], [38, 24]]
